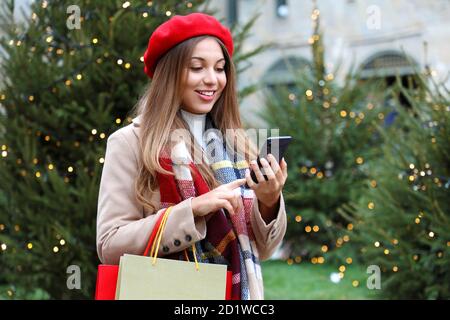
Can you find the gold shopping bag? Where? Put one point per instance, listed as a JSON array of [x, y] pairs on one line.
[[152, 278]]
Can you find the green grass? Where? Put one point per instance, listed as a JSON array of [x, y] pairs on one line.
[[306, 281]]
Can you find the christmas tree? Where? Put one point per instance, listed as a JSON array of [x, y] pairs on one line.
[[402, 220], [71, 74], [333, 128]]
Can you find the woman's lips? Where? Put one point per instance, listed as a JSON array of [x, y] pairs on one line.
[[205, 97]]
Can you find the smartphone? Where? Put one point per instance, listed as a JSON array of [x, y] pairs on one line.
[[277, 146]]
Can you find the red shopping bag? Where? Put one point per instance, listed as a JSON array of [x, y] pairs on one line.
[[107, 274], [106, 282]]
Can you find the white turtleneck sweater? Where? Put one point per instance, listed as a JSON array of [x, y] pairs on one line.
[[196, 123]]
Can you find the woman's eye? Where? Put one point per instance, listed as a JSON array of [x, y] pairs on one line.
[[200, 68]]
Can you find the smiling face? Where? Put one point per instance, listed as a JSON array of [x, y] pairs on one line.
[[206, 77]]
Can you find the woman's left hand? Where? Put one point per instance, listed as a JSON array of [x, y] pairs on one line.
[[268, 191]]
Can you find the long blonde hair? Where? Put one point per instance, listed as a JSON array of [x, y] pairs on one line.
[[159, 107]]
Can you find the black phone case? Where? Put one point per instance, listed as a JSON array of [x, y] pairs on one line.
[[267, 148]]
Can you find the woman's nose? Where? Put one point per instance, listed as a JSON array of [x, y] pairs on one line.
[[210, 77]]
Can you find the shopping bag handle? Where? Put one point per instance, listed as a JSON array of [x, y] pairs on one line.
[[153, 234], [160, 228]]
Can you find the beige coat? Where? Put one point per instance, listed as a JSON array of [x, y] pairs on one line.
[[123, 226]]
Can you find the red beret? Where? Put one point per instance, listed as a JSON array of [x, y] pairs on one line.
[[180, 28]]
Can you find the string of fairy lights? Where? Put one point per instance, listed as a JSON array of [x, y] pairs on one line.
[[53, 39], [58, 44], [416, 176], [413, 174], [309, 170]]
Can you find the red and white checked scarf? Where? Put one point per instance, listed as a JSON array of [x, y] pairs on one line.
[[220, 244]]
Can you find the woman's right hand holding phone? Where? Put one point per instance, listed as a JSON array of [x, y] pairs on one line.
[[223, 197]]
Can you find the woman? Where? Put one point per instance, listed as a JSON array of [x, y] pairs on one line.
[[152, 163]]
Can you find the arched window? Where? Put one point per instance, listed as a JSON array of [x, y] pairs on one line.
[[388, 65]]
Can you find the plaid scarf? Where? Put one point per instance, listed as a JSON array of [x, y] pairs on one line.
[[229, 238]]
